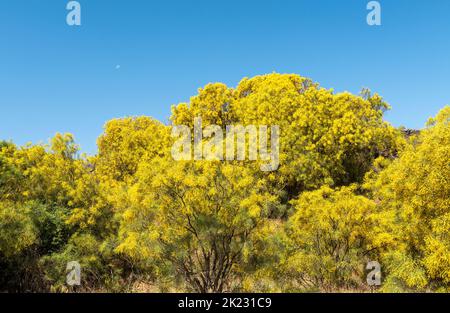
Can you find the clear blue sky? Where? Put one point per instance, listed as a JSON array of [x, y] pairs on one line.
[[56, 78]]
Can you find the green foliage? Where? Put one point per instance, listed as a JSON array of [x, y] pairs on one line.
[[99, 272], [17, 229]]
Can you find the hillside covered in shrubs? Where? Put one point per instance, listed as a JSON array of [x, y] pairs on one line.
[[350, 189]]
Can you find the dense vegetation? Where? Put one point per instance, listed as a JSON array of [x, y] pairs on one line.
[[350, 189]]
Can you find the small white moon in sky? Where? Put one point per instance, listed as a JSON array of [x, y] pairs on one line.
[[117, 66]]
